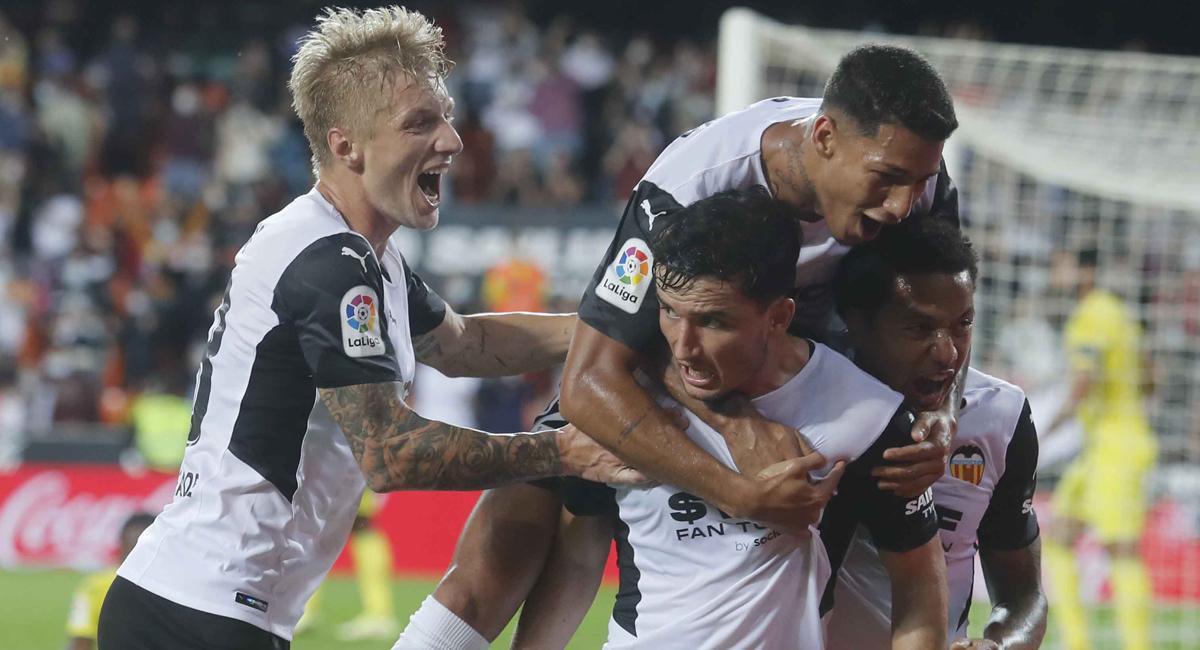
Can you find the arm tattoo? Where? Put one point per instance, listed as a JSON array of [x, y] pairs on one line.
[[398, 449]]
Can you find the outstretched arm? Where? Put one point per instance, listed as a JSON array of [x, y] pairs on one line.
[[495, 345], [397, 449]]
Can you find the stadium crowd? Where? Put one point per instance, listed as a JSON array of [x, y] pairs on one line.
[[133, 166]]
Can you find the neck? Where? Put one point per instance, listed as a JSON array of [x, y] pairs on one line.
[[786, 161], [344, 191], [786, 356]]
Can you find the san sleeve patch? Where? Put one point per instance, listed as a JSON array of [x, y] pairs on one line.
[[628, 279], [361, 331]]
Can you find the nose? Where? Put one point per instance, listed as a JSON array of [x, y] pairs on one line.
[[898, 203], [943, 350], [449, 142], [686, 344]]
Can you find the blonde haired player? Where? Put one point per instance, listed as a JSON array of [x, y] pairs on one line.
[[1104, 488], [299, 402]]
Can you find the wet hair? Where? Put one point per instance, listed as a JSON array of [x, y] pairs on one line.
[[866, 277], [743, 237], [887, 84]]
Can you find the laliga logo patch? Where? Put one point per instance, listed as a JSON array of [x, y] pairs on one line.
[[627, 280], [967, 464], [360, 323]]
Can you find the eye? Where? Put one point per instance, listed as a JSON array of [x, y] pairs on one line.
[[666, 309]]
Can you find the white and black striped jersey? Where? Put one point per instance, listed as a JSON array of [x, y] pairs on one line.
[[268, 488], [693, 577], [723, 154], [985, 499]]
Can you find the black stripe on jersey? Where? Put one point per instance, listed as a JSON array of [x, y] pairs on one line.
[[966, 610], [628, 595], [426, 309], [204, 386], [638, 330], [273, 416], [1010, 523], [895, 523]]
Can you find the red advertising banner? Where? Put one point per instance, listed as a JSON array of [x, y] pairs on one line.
[[69, 515]]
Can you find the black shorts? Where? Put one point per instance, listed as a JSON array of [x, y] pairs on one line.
[[135, 619]]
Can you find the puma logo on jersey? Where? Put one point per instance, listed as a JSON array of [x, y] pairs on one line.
[[362, 259], [920, 504], [650, 213]]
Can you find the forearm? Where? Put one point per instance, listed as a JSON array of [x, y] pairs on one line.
[[917, 624], [611, 407], [1019, 624], [919, 597], [1013, 578], [497, 345], [397, 449]]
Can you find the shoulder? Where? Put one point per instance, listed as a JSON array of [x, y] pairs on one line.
[[722, 153], [305, 224], [993, 403], [844, 383]]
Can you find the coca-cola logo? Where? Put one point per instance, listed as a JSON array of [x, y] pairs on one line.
[[44, 521]]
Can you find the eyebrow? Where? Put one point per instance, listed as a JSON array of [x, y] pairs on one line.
[[893, 169]]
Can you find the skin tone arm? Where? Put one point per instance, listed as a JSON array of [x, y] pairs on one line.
[[1018, 620], [567, 586], [919, 598], [397, 449], [80, 643], [601, 397], [495, 345]]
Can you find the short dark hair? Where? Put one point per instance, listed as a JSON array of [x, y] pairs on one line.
[[739, 236], [887, 84], [865, 278]]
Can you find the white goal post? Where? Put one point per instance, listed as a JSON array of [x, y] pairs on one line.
[[1058, 151]]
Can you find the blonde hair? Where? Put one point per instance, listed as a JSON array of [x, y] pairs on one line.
[[343, 72]]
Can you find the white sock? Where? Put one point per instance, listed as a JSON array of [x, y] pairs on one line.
[[433, 627]]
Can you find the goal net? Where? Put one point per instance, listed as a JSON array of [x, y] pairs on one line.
[[1058, 151]]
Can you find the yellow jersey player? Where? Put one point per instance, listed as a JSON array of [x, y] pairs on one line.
[[1103, 488], [84, 615]]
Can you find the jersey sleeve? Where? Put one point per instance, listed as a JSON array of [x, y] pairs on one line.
[[332, 295], [426, 309], [895, 523], [1010, 522], [620, 300]]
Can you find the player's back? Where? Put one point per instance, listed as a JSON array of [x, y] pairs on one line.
[[693, 577], [1104, 338]]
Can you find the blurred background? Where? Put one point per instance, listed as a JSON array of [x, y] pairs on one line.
[[140, 144]]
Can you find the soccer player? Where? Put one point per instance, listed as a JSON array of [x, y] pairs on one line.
[[1104, 489], [300, 397], [84, 616], [695, 576], [908, 301], [865, 155]]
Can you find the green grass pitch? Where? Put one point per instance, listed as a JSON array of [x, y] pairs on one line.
[[35, 604]]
